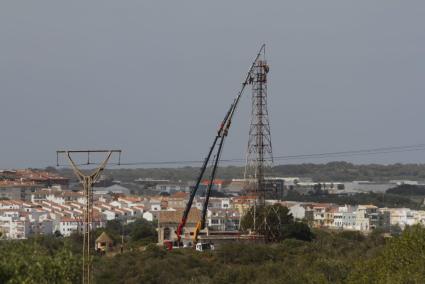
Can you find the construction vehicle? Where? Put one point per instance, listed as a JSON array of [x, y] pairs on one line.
[[217, 145]]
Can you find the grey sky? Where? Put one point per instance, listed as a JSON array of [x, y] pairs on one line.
[[155, 77]]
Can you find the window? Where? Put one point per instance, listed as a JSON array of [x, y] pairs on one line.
[[167, 233]]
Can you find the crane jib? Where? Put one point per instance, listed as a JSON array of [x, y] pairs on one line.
[[208, 193], [222, 133]]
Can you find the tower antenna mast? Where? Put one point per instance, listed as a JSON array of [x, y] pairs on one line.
[[259, 155]]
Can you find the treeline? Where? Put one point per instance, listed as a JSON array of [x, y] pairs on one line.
[[408, 190], [343, 171], [378, 199], [335, 171]]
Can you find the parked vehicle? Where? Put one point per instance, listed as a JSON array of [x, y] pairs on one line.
[[204, 246]]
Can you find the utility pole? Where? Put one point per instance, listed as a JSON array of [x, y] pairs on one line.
[[122, 238], [259, 155], [87, 181], [255, 215]]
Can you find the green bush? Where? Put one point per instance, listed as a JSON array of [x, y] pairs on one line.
[[38, 261]]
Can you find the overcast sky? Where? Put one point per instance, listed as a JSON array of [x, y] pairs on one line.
[[154, 78]]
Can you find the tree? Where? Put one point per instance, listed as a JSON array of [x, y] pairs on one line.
[[401, 261], [138, 230], [57, 234], [51, 169], [142, 230], [275, 223], [297, 230]]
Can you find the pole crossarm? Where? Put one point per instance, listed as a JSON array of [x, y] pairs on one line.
[[88, 152]]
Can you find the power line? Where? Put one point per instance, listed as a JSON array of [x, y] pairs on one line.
[[324, 155], [373, 151]]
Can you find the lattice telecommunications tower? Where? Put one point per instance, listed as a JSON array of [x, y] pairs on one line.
[[259, 156]]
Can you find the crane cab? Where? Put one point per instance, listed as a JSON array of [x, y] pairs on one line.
[[204, 246]]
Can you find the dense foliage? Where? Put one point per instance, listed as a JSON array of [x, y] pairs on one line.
[[54, 259], [332, 257], [328, 259], [402, 260], [40, 260]]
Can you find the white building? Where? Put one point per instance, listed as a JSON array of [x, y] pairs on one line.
[[69, 225], [402, 217], [368, 217], [14, 226], [149, 216], [345, 218]]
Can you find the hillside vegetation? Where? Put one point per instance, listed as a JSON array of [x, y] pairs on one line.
[[331, 257]]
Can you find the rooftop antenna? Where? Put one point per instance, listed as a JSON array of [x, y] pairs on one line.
[[87, 181]]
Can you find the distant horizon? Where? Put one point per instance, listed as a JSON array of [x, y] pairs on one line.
[[116, 167]]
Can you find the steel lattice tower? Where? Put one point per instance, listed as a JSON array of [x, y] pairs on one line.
[[259, 155]]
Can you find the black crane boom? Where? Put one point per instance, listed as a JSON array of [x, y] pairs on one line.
[[221, 135]]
